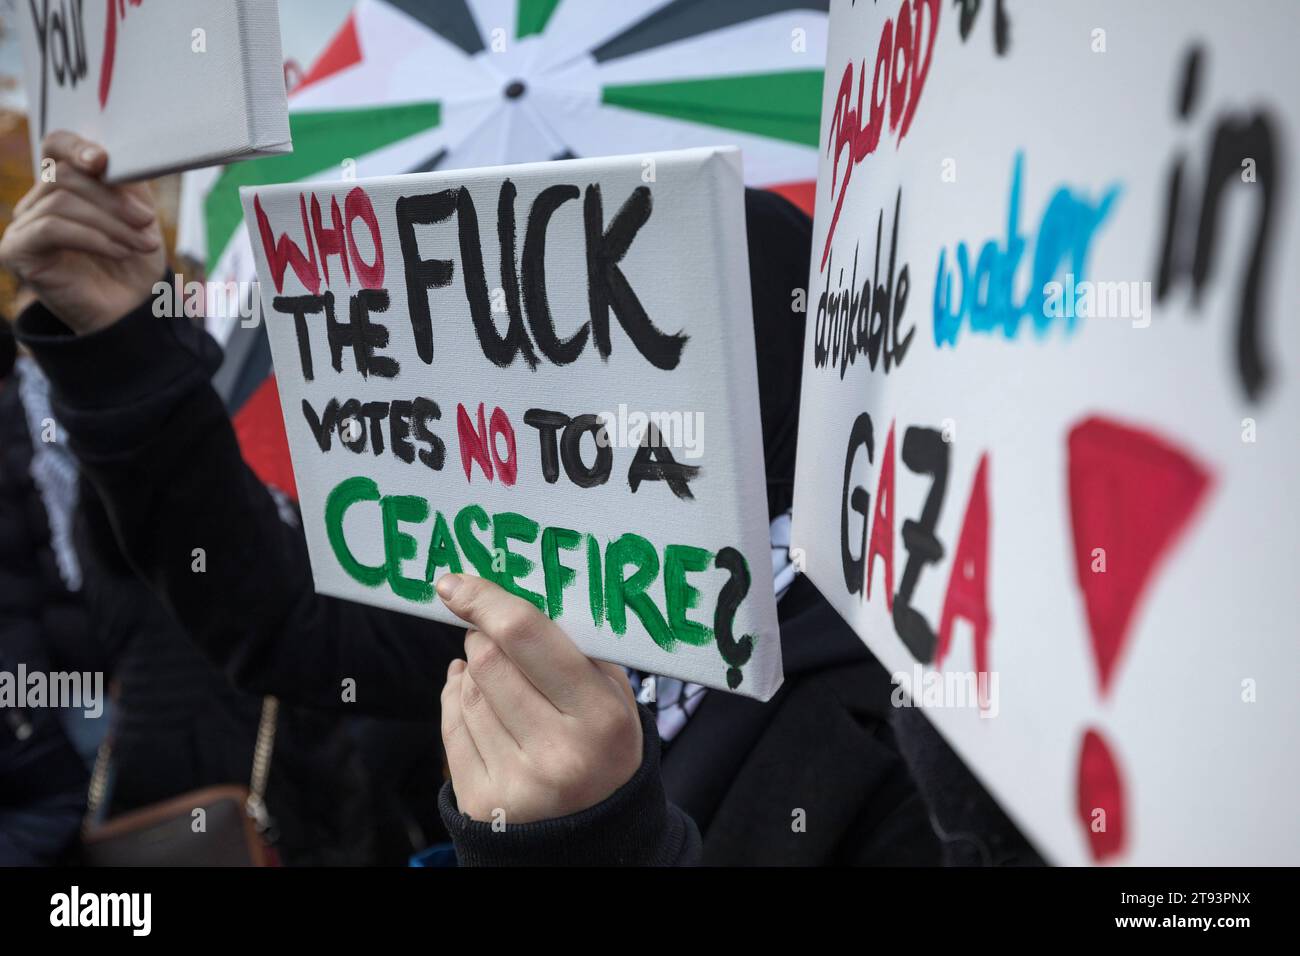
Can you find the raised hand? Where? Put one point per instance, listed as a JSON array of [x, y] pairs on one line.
[[90, 251]]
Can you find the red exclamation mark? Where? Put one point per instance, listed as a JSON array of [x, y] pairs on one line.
[[1131, 494]]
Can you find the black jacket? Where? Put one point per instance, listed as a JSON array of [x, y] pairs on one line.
[[42, 628], [178, 724], [813, 776], [42, 782], [37, 610], [42, 778]]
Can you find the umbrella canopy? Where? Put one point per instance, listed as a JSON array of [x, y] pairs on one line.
[[416, 85], [419, 85]]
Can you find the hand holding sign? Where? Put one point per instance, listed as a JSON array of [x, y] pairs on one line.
[[90, 251], [531, 726]]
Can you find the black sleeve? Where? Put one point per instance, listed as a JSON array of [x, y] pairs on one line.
[[973, 830], [634, 826], [156, 442]]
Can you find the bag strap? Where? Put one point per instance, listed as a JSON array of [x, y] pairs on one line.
[[98, 781], [263, 751]]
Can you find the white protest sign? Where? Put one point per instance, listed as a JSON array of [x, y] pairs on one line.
[[543, 374], [1047, 455], [163, 85]]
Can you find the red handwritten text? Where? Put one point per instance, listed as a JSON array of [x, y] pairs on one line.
[[116, 12], [337, 239], [896, 83]]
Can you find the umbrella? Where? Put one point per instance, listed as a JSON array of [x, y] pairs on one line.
[[418, 85], [408, 86]]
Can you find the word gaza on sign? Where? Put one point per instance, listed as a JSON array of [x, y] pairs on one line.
[[541, 374], [163, 85]]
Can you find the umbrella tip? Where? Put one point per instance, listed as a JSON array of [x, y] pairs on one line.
[[515, 89]]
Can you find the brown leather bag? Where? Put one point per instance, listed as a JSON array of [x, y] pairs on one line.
[[236, 823]]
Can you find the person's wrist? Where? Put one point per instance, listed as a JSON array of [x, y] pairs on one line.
[[107, 312], [91, 323]]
